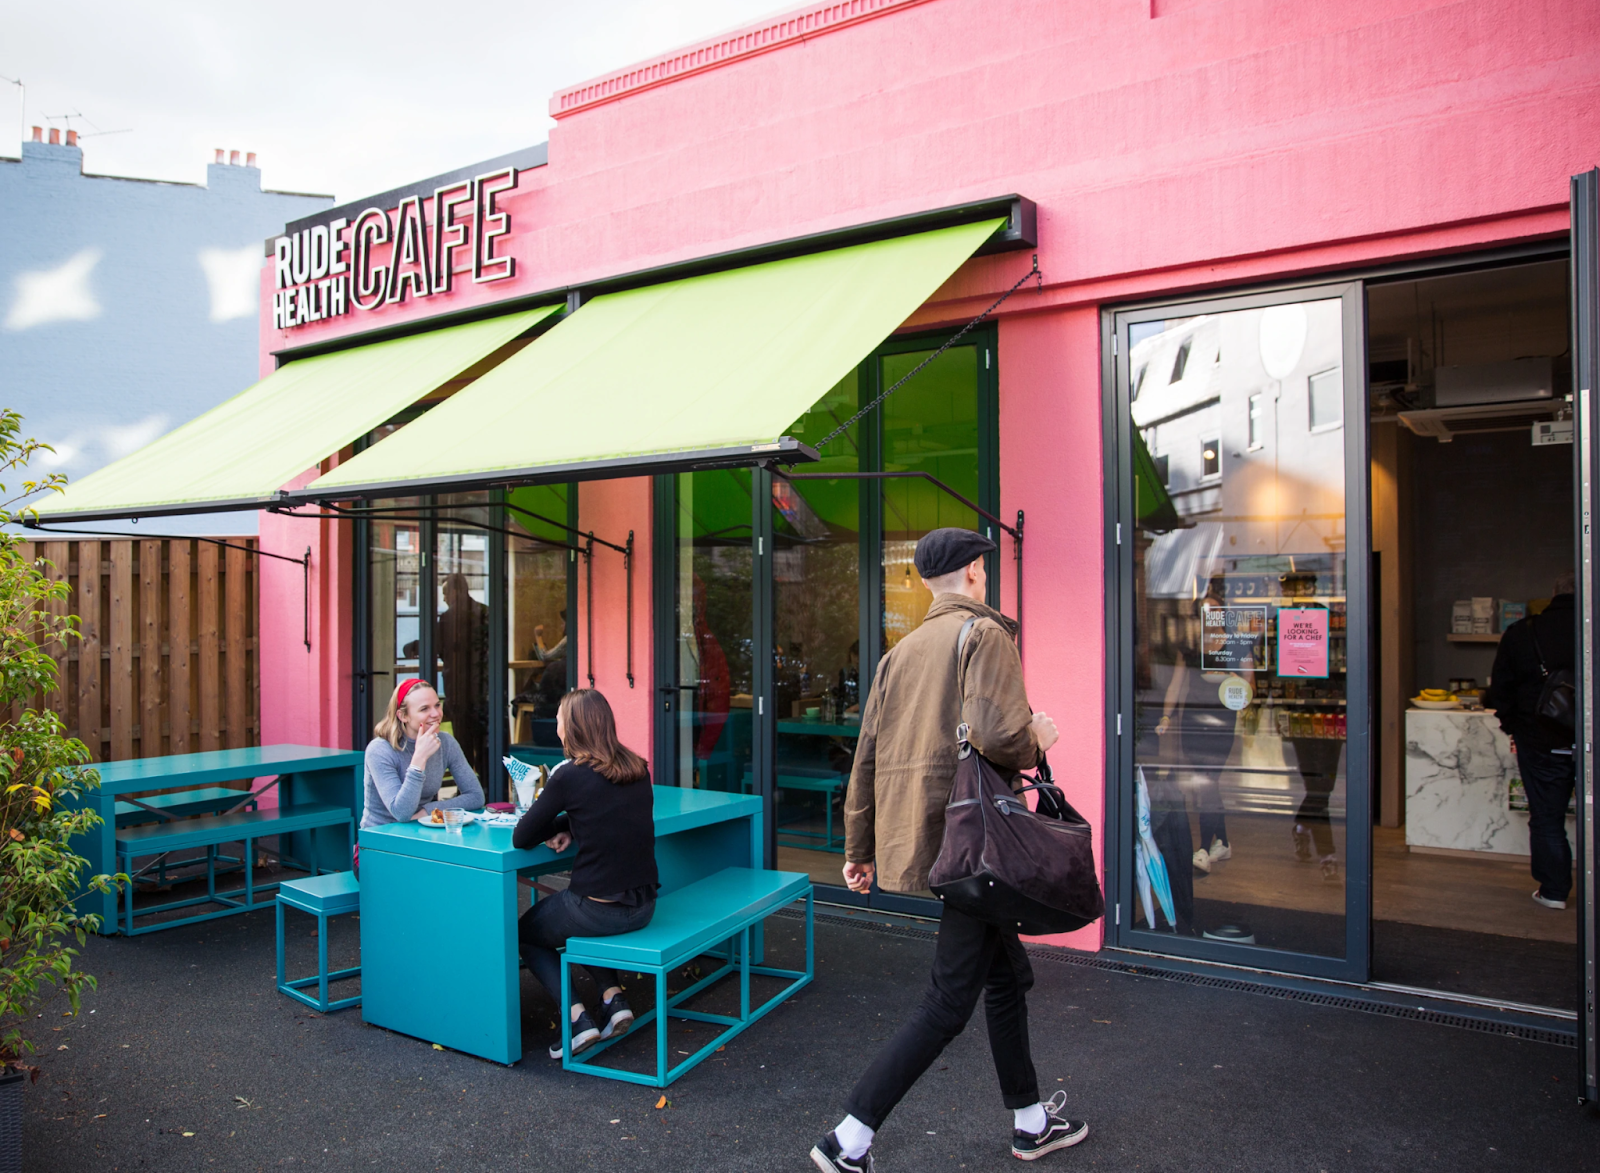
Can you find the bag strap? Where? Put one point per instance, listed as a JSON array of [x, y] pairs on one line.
[[963, 748], [1537, 650]]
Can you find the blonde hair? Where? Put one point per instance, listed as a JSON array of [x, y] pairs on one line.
[[390, 727]]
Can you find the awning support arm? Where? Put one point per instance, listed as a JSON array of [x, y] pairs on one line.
[[303, 563], [588, 608]]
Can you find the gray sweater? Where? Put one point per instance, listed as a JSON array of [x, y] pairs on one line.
[[397, 790]]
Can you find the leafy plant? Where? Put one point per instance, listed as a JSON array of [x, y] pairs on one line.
[[43, 776]]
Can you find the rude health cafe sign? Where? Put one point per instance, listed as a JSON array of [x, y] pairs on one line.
[[332, 269]]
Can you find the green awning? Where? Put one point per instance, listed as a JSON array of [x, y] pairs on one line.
[[240, 453], [702, 372]]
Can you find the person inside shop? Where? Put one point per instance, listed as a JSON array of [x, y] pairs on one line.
[[407, 758], [600, 797], [464, 655], [1531, 649]]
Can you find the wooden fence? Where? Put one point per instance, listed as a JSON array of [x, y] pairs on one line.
[[167, 662]]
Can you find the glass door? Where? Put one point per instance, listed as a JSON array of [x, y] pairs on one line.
[[1241, 772], [1586, 379]]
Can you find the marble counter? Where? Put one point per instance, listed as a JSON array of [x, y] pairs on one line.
[[1459, 770]]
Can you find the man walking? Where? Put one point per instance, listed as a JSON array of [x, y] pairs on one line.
[[894, 824], [1529, 648]]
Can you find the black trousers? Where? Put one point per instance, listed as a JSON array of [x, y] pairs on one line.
[[1548, 779], [970, 958], [543, 931]]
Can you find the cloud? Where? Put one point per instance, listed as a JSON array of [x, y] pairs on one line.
[[61, 294], [234, 275], [118, 441], [66, 451]]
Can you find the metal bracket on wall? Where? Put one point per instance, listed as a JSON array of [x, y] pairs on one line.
[[303, 563]]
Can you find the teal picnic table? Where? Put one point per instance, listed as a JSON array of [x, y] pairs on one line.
[[439, 913], [213, 783]]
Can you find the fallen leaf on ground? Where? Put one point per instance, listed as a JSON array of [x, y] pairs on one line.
[[1107, 1021], [662, 1102], [616, 1122], [188, 1134], [437, 1047]]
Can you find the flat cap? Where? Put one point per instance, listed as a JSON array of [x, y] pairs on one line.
[[947, 550]]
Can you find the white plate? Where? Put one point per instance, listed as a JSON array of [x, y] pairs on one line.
[[470, 817]]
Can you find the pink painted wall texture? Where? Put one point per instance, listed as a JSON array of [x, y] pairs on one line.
[[1170, 145]]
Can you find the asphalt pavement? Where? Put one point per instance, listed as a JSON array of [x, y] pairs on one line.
[[186, 1058]]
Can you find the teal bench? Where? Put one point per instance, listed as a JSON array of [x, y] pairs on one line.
[[183, 804], [713, 915], [321, 896], [209, 832], [162, 808]]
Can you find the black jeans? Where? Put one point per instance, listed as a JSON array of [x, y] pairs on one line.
[[1548, 779], [544, 929], [969, 958]]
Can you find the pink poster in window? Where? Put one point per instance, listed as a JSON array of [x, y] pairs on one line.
[[1303, 641]]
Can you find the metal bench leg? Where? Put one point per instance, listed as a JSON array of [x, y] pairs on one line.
[[564, 1012], [249, 872], [282, 975], [744, 974], [322, 961], [661, 1028], [125, 863], [211, 871]]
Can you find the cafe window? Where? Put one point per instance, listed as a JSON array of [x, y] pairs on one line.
[[472, 593], [1210, 458], [1325, 395], [780, 613], [1256, 422]]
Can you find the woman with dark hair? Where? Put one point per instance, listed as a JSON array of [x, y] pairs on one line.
[[595, 798]]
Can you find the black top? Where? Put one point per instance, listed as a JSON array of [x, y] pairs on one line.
[[1516, 682], [613, 825]]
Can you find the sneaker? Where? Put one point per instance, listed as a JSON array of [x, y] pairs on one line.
[[1219, 851], [1540, 898], [618, 1017], [1330, 868], [1202, 861], [829, 1157], [1302, 844], [1059, 1133], [584, 1035]]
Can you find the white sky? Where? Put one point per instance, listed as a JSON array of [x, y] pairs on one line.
[[334, 96]]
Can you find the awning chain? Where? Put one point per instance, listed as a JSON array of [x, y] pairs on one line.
[[951, 341]]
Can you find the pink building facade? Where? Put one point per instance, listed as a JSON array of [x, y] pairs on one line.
[[1177, 152]]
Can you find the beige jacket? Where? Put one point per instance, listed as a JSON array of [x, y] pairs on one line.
[[906, 757]]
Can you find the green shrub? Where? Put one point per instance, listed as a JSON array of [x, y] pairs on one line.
[[43, 774]]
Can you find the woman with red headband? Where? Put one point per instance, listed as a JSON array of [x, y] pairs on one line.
[[407, 758]]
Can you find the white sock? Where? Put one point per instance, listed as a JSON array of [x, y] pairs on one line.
[[1032, 1119], [853, 1136]]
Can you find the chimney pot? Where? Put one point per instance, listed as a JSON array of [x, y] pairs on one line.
[[250, 159], [55, 136], [72, 138], [233, 158], [219, 154], [38, 134]]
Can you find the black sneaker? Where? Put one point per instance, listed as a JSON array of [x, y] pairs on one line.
[[829, 1157], [618, 1017], [584, 1035], [1059, 1133]]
